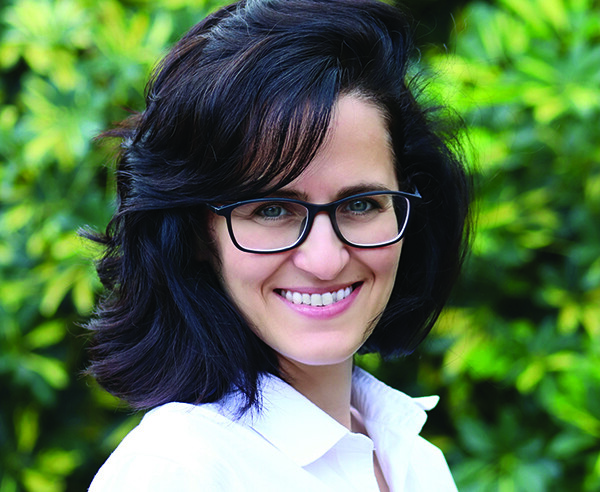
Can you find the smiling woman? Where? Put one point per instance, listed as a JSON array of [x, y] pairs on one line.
[[285, 203]]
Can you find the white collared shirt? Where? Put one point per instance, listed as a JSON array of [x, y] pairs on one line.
[[289, 445]]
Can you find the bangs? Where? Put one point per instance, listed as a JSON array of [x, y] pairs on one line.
[[280, 140]]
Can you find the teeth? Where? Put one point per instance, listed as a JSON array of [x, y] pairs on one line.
[[316, 299]]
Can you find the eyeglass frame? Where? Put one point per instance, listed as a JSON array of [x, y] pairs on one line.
[[314, 209]]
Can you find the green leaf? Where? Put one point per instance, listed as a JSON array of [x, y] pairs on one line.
[[45, 335], [51, 370]]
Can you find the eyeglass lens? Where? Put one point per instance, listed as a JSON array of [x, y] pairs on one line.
[[363, 221]]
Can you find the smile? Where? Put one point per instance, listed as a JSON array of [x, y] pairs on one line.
[[316, 300]]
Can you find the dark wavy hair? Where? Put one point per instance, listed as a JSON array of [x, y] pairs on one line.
[[237, 109]]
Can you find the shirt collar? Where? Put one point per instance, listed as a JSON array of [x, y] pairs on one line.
[[385, 409], [293, 424], [304, 432]]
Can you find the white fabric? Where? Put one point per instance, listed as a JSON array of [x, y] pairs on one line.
[[290, 445]]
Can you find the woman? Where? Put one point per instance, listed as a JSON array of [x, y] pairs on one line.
[[284, 202]]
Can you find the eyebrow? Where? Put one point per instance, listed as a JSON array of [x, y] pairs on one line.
[[342, 193]]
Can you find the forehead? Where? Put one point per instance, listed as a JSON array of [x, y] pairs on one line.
[[356, 155]]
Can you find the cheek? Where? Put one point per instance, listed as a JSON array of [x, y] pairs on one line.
[[384, 263], [244, 276]]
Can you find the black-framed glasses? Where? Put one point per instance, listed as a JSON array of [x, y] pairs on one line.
[[272, 225]]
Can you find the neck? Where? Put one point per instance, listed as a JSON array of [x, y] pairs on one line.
[[328, 387]]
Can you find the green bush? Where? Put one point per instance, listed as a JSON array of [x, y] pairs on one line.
[[515, 357]]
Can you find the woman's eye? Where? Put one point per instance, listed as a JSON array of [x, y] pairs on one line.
[[272, 211], [360, 206]]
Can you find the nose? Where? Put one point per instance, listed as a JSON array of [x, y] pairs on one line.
[[322, 254]]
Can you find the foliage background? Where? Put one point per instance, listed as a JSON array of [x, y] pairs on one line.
[[516, 357]]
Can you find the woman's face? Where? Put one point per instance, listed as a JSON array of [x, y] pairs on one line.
[[357, 155]]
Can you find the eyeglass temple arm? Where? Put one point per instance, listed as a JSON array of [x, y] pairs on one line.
[[218, 209], [415, 194]]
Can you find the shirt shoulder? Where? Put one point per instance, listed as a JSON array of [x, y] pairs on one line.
[[174, 446], [188, 447]]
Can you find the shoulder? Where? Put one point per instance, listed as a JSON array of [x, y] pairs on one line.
[[186, 447], [177, 429], [174, 446]]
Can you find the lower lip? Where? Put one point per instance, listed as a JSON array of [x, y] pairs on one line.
[[323, 312]]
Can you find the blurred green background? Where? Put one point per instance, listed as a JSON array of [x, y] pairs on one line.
[[516, 356]]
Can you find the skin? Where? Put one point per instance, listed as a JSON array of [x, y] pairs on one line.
[[316, 350]]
